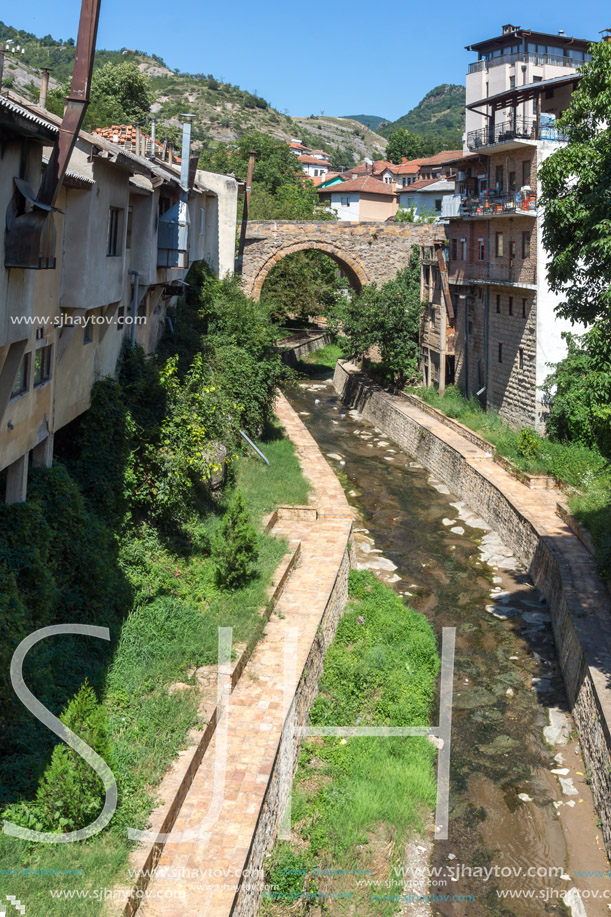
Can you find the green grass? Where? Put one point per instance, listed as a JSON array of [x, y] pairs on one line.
[[355, 799], [323, 360], [581, 467], [171, 628]]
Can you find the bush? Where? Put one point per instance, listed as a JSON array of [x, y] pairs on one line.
[[528, 443], [235, 547], [70, 794]]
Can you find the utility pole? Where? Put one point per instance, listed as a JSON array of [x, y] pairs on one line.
[[251, 166]]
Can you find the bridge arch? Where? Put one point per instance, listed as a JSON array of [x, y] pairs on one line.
[[351, 265]]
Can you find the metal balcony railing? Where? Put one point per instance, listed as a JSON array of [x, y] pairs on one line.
[[514, 273], [493, 204], [526, 57], [507, 131]]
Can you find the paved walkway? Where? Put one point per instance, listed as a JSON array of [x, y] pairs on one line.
[[255, 712]]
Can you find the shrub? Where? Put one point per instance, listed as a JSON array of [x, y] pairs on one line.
[[235, 547], [528, 443], [287, 874], [70, 794]]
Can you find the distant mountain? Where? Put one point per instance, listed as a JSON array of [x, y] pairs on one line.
[[440, 115], [370, 121]]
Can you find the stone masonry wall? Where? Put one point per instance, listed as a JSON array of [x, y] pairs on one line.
[[558, 564], [367, 252]]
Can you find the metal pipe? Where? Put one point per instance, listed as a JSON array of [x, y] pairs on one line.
[[251, 166], [185, 153], [44, 87], [153, 132], [250, 443], [136, 276]]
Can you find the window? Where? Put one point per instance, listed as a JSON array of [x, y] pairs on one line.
[[499, 245], [454, 254], [500, 353], [526, 244], [130, 223], [470, 327], [526, 172], [22, 379], [512, 82], [511, 305], [463, 249], [432, 317], [42, 365], [512, 250], [438, 205], [120, 318], [345, 201], [524, 308], [499, 178], [481, 250], [112, 247], [521, 358], [512, 181]]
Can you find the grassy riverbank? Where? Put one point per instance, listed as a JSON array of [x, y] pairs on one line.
[[356, 801], [172, 627], [581, 467]]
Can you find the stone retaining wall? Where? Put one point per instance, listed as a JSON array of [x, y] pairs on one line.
[[557, 562], [298, 349]]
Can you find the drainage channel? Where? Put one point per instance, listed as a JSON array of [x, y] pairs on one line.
[[523, 830]]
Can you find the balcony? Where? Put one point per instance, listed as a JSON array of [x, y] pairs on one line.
[[513, 273], [491, 204], [526, 57], [513, 133]]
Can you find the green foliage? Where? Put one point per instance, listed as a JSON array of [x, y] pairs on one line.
[[409, 215], [579, 392], [439, 119], [401, 143], [575, 193], [380, 670], [303, 284], [287, 874], [120, 94], [70, 794], [235, 548], [387, 318], [528, 443]]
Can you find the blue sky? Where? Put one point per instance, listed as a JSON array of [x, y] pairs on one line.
[[360, 58]]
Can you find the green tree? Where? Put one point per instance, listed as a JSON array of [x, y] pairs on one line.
[[387, 318], [401, 143], [235, 549], [303, 284], [575, 193], [120, 94]]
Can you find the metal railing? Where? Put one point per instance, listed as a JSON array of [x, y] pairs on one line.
[[507, 131], [493, 204], [516, 272], [527, 57]]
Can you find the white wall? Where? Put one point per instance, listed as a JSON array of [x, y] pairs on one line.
[[347, 206]]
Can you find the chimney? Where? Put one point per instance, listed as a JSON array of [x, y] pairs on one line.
[[186, 152], [2, 50], [153, 131], [44, 87], [170, 153], [137, 140]]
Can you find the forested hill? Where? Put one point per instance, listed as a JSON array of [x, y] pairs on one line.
[[441, 113]]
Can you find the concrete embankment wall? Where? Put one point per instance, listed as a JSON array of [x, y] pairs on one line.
[[557, 562]]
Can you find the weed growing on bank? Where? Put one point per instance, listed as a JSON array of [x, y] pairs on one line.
[[356, 801]]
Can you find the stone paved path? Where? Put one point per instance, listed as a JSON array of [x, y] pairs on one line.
[[256, 713]]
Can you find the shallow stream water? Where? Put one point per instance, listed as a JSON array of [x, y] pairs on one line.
[[518, 832]]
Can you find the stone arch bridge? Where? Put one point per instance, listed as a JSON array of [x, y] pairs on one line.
[[365, 252]]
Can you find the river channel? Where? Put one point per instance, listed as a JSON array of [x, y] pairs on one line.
[[522, 824]]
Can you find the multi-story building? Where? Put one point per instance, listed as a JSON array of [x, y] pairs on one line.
[[507, 329], [437, 325], [109, 260]]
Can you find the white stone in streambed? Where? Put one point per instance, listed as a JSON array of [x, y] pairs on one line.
[[502, 611], [393, 579], [524, 797], [573, 901], [305, 413], [570, 802], [335, 456], [559, 729], [447, 521], [561, 771], [497, 579], [391, 450], [568, 787], [441, 488], [415, 465], [383, 443], [457, 530], [378, 563], [476, 522], [388, 458], [509, 692], [559, 758]]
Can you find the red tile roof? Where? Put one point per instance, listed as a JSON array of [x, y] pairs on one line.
[[367, 185], [126, 136], [322, 152], [419, 185], [312, 160]]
